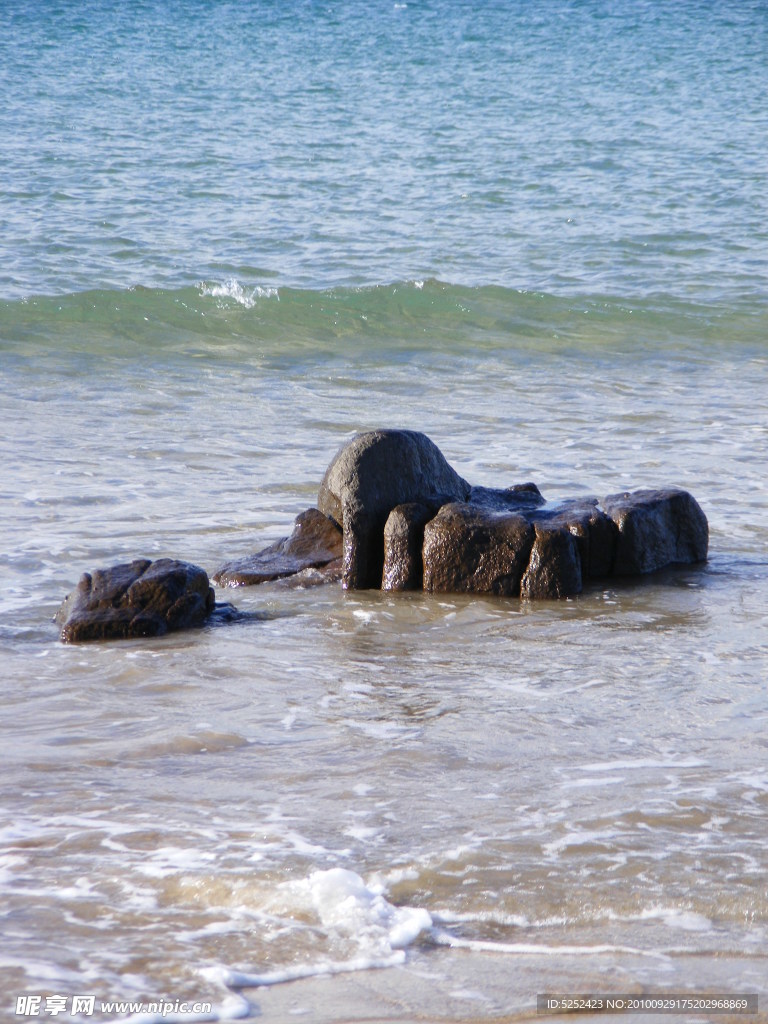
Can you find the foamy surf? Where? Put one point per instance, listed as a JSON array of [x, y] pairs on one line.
[[234, 290], [443, 938], [358, 916], [352, 915]]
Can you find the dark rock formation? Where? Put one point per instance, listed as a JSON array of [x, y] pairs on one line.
[[139, 599], [370, 476], [402, 519], [475, 547], [316, 541], [393, 514], [656, 528]]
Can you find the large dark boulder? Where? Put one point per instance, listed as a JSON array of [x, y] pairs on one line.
[[368, 477], [656, 529], [471, 549], [316, 542], [139, 599]]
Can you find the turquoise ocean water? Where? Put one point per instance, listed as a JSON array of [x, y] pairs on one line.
[[233, 234]]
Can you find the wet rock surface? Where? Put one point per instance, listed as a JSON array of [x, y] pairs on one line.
[[472, 549], [554, 566], [136, 599], [596, 533], [518, 498], [656, 529], [403, 543], [316, 542]]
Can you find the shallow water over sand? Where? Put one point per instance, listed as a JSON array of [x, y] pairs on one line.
[[575, 790]]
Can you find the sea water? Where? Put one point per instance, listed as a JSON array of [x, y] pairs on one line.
[[231, 235]]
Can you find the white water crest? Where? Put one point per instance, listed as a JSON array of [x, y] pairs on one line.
[[234, 290]]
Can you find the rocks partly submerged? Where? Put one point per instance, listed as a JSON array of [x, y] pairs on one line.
[[402, 519], [136, 599], [393, 514]]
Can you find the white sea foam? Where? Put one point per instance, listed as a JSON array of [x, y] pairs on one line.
[[170, 860], [316, 969], [362, 832], [388, 731], [8, 864], [602, 780], [344, 902], [486, 916], [599, 838], [673, 917], [356, 913], [534, 948], [232, 289], [621, 765]]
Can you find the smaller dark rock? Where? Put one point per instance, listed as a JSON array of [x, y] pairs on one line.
[[554, 568], [596, 534], [403, 541], [470, 549], [225, 614], [656, 529], [315, 542], [138, 599], [314, 576]]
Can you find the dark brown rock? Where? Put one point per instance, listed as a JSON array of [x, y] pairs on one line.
[[471, 549], [403, 541], [554, 567], [656, 529], [316, 541], [367, 478], [139, 599], [596, 534]]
